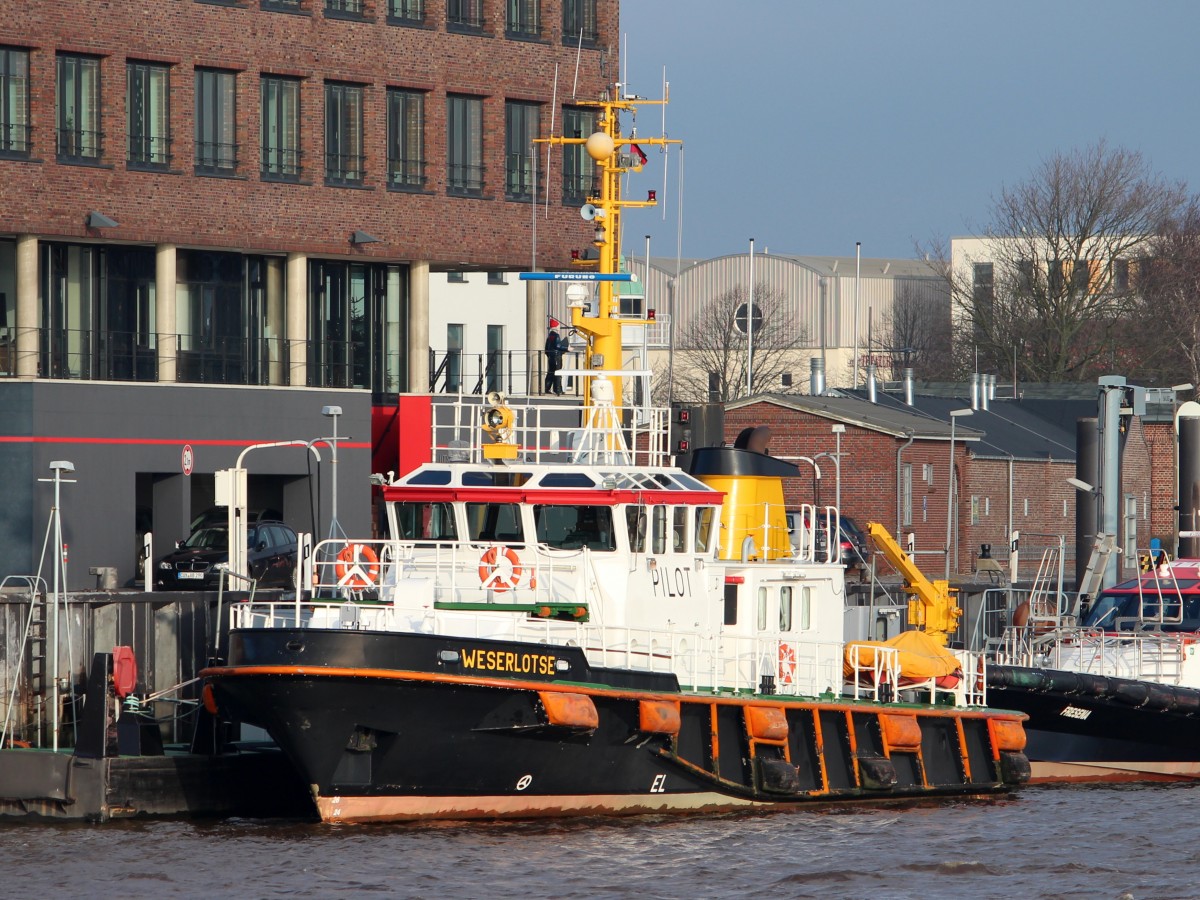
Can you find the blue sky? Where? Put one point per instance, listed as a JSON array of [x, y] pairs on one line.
[[811, 125]]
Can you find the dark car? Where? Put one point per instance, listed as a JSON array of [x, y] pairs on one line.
[[199, 561], [854, 543]]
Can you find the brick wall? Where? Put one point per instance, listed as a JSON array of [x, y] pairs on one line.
[[43, 197]]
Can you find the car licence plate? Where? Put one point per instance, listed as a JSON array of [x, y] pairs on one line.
[[191, 576]]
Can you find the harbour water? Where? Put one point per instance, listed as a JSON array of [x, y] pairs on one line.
[[1044, 842]]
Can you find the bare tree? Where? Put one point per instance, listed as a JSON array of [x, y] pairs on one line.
[[712, 348], [919, 325], [1164, 331], [1048, 293]]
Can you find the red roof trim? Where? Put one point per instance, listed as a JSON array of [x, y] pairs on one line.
[[549, 496]]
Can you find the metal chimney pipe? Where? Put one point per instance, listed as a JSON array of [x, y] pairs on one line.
[[984, 380], [908, 387], [991, 386], [871, 382], [816, 378], [974, 390]]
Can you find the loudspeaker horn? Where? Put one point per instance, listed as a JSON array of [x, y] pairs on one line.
[[589, 212]]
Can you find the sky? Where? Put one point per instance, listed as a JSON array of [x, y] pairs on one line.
[[808, 125]]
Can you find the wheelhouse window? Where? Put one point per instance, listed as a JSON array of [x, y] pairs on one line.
[[500, 522], [14, 101], [280, 129], [521, 127], [579, 21], [705, 517], [658, 533], [425, 522], [148, 136], [344, 157], [464, 145], [216, 121], [575, 527], [406, 139], [635, 519], [579, 169], [406, 12], [524, 18], [785, 608], [679, 529], [464, 15], [78, 116]]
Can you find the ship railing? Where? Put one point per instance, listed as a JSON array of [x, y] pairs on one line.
[[449, 574], [1145, 655], [882, 679], [555, 433]]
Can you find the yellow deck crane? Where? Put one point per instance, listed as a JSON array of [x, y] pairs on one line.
[[932, 605]]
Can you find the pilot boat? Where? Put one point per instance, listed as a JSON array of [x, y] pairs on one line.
[[561, 621]]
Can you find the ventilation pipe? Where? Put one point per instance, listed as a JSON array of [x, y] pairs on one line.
[[908, 386], [816, 378], [984, 382], [871, 382], [991, 387], [974, 390]]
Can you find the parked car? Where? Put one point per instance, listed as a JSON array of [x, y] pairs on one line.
[[852, 541], [219, 515], [198, 561]]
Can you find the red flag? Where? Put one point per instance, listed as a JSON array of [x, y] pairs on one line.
[[553, 322], [637, 151]]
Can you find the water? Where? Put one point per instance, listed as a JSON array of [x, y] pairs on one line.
[[1061, 842]]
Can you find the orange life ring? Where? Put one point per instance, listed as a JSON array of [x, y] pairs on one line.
[[500, 568], [357, 566], [787, 664]]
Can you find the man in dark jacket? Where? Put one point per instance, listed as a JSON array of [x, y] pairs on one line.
[[554, 355]]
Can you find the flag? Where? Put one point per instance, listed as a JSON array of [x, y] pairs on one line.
[[637, 151], [554, 323]]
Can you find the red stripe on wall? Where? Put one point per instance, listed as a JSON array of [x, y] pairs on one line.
[[154, 442]]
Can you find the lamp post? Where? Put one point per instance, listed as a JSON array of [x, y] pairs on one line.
[[59, 467], [334, 525], [750, 328], [954, 415], [838, 430]]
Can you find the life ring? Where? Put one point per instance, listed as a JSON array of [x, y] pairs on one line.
[[787, 663], [500, 568], [357, 566]]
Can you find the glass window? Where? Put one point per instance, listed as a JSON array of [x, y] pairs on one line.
[[658, 540], [216, 121], [524, 18], [407, 12], [762, 609], [495, 358], [679, 524], [14, 101], [464, 15], [349, 7], [406, 139], [78, 108], [705, 516], [579, 169], [344, 134], [805, 608], [575, 527], [464, 145], [579, 21], [521, 127], [148, 138], [494, 522], [454, 352], [425, 522], [211, 317], [280, 128], [785, 608], [635, 519]]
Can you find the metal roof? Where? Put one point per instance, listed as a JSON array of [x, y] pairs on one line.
[[896, 420]]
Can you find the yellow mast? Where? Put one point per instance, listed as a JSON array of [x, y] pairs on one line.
[[612, 153]]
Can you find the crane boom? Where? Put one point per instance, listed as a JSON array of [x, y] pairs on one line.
[[932, 605]]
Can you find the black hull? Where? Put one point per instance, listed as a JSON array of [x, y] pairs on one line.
[[1095, 728], [383, 726]]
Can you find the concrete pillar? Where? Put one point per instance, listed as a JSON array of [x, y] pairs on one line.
[[418, 327], [274, 327], [535, 334], [297, 319], [165, 320], [27, 306]]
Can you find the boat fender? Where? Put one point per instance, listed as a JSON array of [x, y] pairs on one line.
[[1007, 734], [1062, 682], [1014, 768], [1131, 693], [566, 710], [357, 566], [776, 776], [876, 773], [658, 716], [1092, 685], [1160, 696], [1187, 701], [209, 699], [500, 568], [900, 732], [766, 723], [124, 671]]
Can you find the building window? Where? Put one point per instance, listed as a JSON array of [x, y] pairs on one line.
[[464, 15], [464, 146], [524, 18], [78, 108], [456, 278], [579, 21], [906, 494], [343, 134], [14, 101], [406, 12], [344, 9], [406, 139], [579, 170], [292, 6], [216, 121], [521, 127], [495, 358], [148, 138], [497, 278], [280, 129], [454, 352]]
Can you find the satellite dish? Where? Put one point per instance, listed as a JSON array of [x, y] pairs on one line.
[[588, 212]]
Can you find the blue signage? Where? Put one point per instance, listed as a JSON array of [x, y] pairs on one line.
[[576, 276]]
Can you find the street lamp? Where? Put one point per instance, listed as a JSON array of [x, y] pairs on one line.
[[954, 414]]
